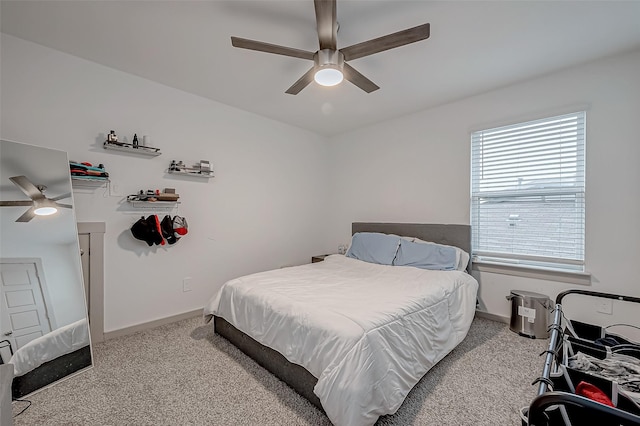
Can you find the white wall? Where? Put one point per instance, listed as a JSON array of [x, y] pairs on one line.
[[282, 194], [417, 169], [264, 209]]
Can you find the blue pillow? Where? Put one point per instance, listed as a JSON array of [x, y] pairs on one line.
[[373, 247], [426, 256]]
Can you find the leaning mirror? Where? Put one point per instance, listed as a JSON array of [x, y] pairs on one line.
[[44, 329]]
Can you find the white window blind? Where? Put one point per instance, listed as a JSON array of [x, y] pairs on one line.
[[527, 193]]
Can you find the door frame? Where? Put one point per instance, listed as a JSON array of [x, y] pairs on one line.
[[96, 231]]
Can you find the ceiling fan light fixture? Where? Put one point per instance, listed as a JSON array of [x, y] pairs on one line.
[[328, 76], [328, 64], [45, 211], [44, 207]]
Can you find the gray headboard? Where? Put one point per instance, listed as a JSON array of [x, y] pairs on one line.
[[452, 235]]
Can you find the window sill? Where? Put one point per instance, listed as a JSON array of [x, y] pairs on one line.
[[582, 278]]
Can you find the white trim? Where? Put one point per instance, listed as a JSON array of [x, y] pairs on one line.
[[510, 164], [152, 324], [572, 277], [531, 116], [96, 231]]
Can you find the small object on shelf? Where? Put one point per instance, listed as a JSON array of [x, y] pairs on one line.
[[154, 195], [135, 140], [201, 169], [86, 170], [146, 140], [176, 166], [167, 196], [112, 137]]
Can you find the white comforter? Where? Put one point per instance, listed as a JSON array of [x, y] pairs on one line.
[[61, 341], [368, 332]]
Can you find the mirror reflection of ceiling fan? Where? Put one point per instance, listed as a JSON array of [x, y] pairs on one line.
[[40, 204], [330, 63]]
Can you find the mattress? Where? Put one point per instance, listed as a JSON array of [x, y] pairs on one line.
[[61, 341], [367, 332]]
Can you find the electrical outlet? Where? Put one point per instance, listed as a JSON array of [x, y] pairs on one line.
[[114, 189], [186, 284], [605, 306]]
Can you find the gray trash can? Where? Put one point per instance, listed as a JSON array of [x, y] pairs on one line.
[[530, 314]]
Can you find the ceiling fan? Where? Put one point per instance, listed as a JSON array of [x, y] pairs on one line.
[[40, 205], [330, 63]]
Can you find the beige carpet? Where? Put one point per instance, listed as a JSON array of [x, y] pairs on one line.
[[183, 374]]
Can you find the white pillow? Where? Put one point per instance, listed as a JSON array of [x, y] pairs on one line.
[[462, 257]]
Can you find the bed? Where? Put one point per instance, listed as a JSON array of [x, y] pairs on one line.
[[50, 357], [353, 336]]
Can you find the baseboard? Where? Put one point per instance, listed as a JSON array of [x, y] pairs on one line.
[[151, 324], [493, 317], [192, 314]]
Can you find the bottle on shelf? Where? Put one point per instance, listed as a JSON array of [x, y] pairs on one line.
[[135, 140]]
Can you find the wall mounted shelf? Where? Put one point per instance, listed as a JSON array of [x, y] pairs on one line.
[[87, 182], [150, 205], [131, 149], [202, 169], [188, 172]]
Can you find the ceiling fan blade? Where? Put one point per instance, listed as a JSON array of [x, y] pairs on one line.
[[15, 203], [358, 79], [27, 216], [64, 206], [261, 46], [327, 23], [302, 82], [61, 197], [387, 42], [27, 187]]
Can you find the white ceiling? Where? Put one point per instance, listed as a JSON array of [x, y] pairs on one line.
[[474, 47]]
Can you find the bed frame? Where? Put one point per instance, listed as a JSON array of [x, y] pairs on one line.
[[51, 371], [297, 377]]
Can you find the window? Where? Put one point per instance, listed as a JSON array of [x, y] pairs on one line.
[[527, 193]]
